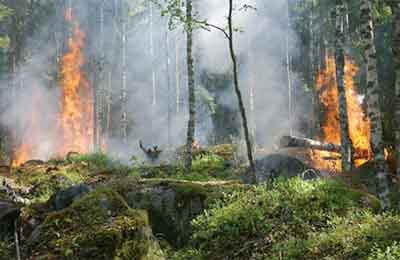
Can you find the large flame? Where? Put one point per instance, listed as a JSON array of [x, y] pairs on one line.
[[77, 96], [359, 124], [74, 127]]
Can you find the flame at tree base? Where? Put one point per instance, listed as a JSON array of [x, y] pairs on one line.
[[74, 124], [77, 117], [359, 124]]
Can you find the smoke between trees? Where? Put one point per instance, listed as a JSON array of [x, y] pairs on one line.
[[156, 83]]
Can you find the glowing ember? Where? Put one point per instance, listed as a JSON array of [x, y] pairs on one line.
[[359, 124], [77, 97]]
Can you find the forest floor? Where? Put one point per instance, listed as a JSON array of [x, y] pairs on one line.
[[94, 207]]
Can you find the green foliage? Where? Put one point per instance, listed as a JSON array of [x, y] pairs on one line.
[[98, 160], [391, 252], [283, 217], [204, 168], [4, 42], [45, 184], [6, 250], [5, 12]]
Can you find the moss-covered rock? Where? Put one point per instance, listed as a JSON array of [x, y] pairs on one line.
[[269, 221], [172, 204], [99, 226]]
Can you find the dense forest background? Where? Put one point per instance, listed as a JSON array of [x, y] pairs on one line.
[[135, 64]]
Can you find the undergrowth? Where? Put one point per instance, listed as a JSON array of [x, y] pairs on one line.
[[295, 219]]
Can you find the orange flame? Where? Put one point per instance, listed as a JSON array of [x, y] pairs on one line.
[[359, 124], [27, 148], [77, 97], [75, 124]]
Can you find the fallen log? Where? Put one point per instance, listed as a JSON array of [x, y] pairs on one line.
[[293, 141]]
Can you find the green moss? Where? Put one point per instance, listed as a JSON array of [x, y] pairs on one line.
[[45, 184], [171, 203], [261, 221], [98, 226]]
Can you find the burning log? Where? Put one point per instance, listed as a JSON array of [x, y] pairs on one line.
[[293, 141]]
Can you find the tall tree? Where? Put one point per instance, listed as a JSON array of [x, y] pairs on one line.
[[346, 145], [124, 115], [230, 36], [191, 86], [242, 109], [396, 53], [373, 101], [288, 66]]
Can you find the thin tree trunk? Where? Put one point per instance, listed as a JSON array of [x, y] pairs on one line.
[[167, 65], [288, 70], [177, 74], [153, 72], [346, 145], [315, 64], [191, 86], [396, 54], [373, 102], [101, 108], [124, 116], [239, 94]]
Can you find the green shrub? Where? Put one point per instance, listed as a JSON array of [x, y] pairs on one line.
[[97, 160], [391, 252], [205, 168], [269, 219]]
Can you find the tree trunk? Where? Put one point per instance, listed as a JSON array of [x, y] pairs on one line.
[[346, 145], [396, 54], [153, 71], [177, 75], [288, 70], [167, 71], [191, 86], [124, 116], [101, 106], [373, 102], [239, 94]]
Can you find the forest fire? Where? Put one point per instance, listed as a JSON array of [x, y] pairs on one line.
[[359, 124], [26, 149], [76, 122]]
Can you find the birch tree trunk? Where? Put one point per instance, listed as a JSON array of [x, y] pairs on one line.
[[316, 122], [373, 103], [153, 72], [239, 94], [191, 86], [124, 116], [396, 54], [177, 75], [167, 70], [101, 103], [288, 70], [346, 145]]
